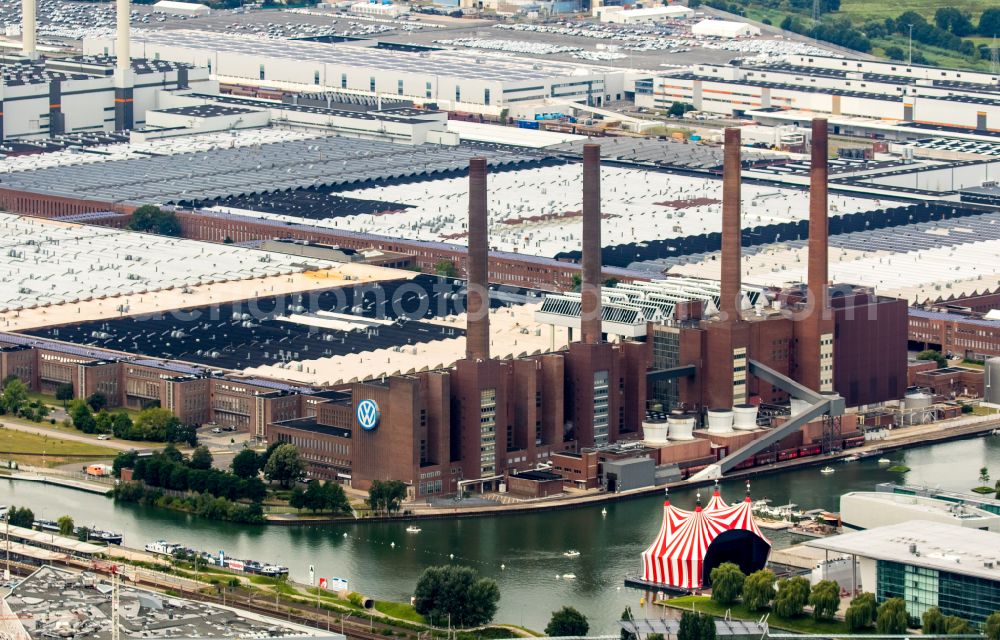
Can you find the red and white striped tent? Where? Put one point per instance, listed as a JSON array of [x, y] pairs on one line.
[[690, 542]]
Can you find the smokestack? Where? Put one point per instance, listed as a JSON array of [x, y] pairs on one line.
[[818, 278], [590, 287], [122, 46], [730, 289], [477, 333], [29, 28]]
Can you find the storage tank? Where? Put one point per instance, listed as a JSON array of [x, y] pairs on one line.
[[798, 406], [916, 408], [745, 417], [654, 431], [992, 378], [720, 421], [681, 427]]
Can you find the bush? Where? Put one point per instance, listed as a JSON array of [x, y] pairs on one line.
[[825, 599], [471, 601], [567, 622], [792, 596], [892, 617], [860, 615]]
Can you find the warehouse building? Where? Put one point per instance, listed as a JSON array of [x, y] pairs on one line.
[[448, 79], [724, 29], [871, 509], [620, 15], [927, 564], [895, 92]]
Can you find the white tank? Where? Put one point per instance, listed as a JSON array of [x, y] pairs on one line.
[[991, 374], [917, 408], [918, 400], [720, 421], [654, 431], [681, 427], [798, 406], [745, 417]]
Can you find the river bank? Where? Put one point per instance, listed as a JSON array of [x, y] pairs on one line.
[[523, 552]]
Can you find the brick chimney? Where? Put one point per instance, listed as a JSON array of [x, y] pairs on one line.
[[818, 278], [477, 333], [730, 288], [590, 287]]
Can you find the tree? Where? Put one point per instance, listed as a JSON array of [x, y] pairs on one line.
[[152, 219], [66, 526], [758, 589], [201, 458], [953, 626], [445, 268], [792, 596], [953, 20], [64, 393], [991, 628], [315, 500], [707, 626], [894, 53], [932, 622], [121, 425], [567, 622], [335, 499], [678, 109], [695, 626], [124, 460], [931, 354], [892, 617], [989, 22], [984, 475], [23, 517], [825, 599], [297, 500], [14, 397], [285, 466], [83, 534], [727, 583], [457, 592], [245, 464], [82, 417], [860, 615], [97, 401], [386, 495]]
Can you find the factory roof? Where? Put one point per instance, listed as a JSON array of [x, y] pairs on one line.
[[948, 317], [923, 543], [205, 111], [537, 211], [397, 114], [663, 153], [312, 425], [446, 63], [278, 166], [922, 504], [57, 601], [43, 262]]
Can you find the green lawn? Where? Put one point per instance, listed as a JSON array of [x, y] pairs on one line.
[[804, 624], [400, 610], [27, 448]]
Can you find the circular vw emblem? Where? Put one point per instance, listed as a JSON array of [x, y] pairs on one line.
[[367, 413]]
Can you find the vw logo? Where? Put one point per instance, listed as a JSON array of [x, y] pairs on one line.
[[368, 416]]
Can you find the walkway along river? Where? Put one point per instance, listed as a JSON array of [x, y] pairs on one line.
[[530, 546]]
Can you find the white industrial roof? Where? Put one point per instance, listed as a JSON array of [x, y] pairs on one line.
[[923, 543], [496, 134], [723, 28], [181, 6], [442, 63], [536, 211], [43, 262]]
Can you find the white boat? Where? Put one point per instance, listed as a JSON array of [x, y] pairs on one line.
[[572, 553], [413, 529], [163, 548], [826, 470], [569, 576], [884, 461], [850, 459], [604, 512]]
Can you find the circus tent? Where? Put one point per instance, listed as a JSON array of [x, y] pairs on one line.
[[691, 543]]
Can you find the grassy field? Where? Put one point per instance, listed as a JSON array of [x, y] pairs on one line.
[[400, 610], [803, 624], [868, 10], [27, 448]]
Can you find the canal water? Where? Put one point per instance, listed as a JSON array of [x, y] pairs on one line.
[[530, 547]]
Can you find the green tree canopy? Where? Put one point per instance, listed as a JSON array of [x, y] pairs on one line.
[[14, 397], [66, 525], [386, 496], [64, 393], [991, 629], [792, 596], [150, 219], [892, 617], [758, 590], [201, 458], [21, 517], [727, 583], [458, 592], [932, 622], [246, 464], [285, 465], [860, 615], [825, 599], [97, 401], [567, 622], [931, 354]]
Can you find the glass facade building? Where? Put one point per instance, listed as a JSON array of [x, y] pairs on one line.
[[969, 597]]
